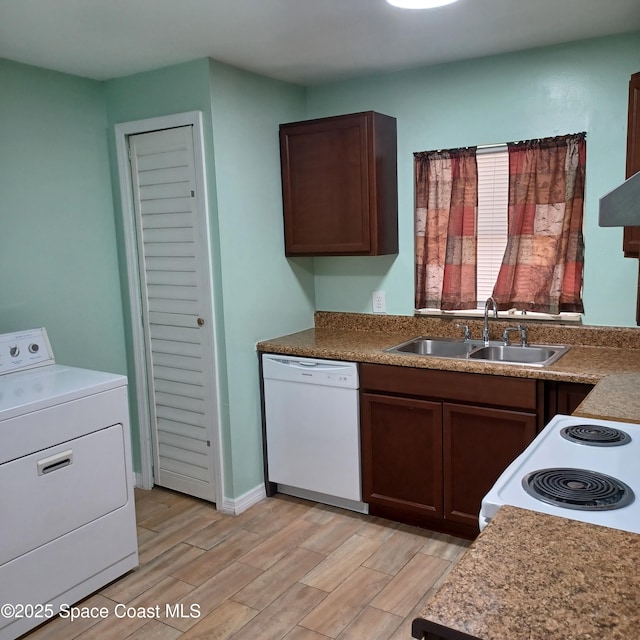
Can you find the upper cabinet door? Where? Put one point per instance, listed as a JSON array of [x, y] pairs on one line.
[[631, 242], [339, 185]]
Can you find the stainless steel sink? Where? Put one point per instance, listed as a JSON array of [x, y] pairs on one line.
[[535, 355], [437, 347], [531, 355]]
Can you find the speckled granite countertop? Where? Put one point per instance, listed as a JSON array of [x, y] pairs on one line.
[[562, 580], [596, 352], [616, 397], [579, 364]]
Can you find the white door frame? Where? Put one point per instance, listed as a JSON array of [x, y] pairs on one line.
[[122, 132]]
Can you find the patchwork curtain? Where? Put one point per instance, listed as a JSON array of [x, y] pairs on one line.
[[446, 185], [544, 259]]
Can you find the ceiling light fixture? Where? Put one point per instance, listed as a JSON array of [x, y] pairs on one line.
[[419, 4]]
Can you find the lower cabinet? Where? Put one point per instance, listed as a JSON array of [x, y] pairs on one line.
[[401, 444], [479, 443], [565, 397], [429, 461]]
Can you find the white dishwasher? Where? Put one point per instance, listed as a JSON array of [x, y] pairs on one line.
[[312, 429]]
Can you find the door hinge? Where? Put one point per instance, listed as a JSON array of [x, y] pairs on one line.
[[193, 193], [208, 443]]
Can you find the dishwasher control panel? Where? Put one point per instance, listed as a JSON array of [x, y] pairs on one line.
[[330, 373]]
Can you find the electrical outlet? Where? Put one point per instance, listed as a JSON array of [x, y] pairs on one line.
[[379, 302]]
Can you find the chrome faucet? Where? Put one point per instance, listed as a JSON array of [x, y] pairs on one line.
[[485, 330]]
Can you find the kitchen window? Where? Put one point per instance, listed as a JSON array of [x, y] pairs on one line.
[[502, 221]]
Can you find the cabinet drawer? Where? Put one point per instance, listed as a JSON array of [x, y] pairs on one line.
[[477, 388]]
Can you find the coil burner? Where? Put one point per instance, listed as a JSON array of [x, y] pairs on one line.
[[579, 489], [595, 435]]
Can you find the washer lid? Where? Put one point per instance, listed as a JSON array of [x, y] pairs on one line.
[[46, 386]]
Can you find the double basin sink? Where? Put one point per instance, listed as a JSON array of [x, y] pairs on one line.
[[496, 352]]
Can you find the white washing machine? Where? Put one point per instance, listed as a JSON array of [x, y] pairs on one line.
[[67, 516]]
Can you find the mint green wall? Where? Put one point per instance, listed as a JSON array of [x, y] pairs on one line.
[[264, 293], [544, 92], [57, 243]]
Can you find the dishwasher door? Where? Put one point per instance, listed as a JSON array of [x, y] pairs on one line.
[[312, 425]]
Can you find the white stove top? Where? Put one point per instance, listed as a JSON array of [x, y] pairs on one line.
[[551, 450]]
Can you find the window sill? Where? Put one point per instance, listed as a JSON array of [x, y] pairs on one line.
[[511, 314]]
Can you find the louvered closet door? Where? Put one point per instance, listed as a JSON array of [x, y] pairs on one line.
[[176, 291]]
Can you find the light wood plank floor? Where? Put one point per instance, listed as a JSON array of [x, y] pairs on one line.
[[284, 569]]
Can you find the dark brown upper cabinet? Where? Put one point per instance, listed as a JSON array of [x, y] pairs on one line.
[[631, 238], [631, 242], [339, 185]]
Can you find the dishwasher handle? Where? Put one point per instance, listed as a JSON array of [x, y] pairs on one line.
[[315, 364]]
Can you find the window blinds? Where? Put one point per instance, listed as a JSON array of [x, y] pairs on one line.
[[493, 199]]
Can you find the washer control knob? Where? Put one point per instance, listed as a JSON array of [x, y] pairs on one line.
[[34, 348], [14, 351]]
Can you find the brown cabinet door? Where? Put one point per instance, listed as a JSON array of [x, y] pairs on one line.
[[479, 444], [402, 454], [631, 238], [631, 241], [570, 395], [339, 185], [564, 398]]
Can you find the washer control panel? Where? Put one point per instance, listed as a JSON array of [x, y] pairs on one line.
[[24, 350]]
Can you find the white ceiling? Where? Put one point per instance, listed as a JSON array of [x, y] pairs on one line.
[[301, 41]]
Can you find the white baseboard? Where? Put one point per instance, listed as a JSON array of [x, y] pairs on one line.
[[236, 506], [229, 506]]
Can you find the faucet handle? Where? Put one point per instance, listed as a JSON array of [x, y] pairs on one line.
[[465, 328], [523, 335]]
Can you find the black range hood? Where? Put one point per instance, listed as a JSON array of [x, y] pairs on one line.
[[621, 207]]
